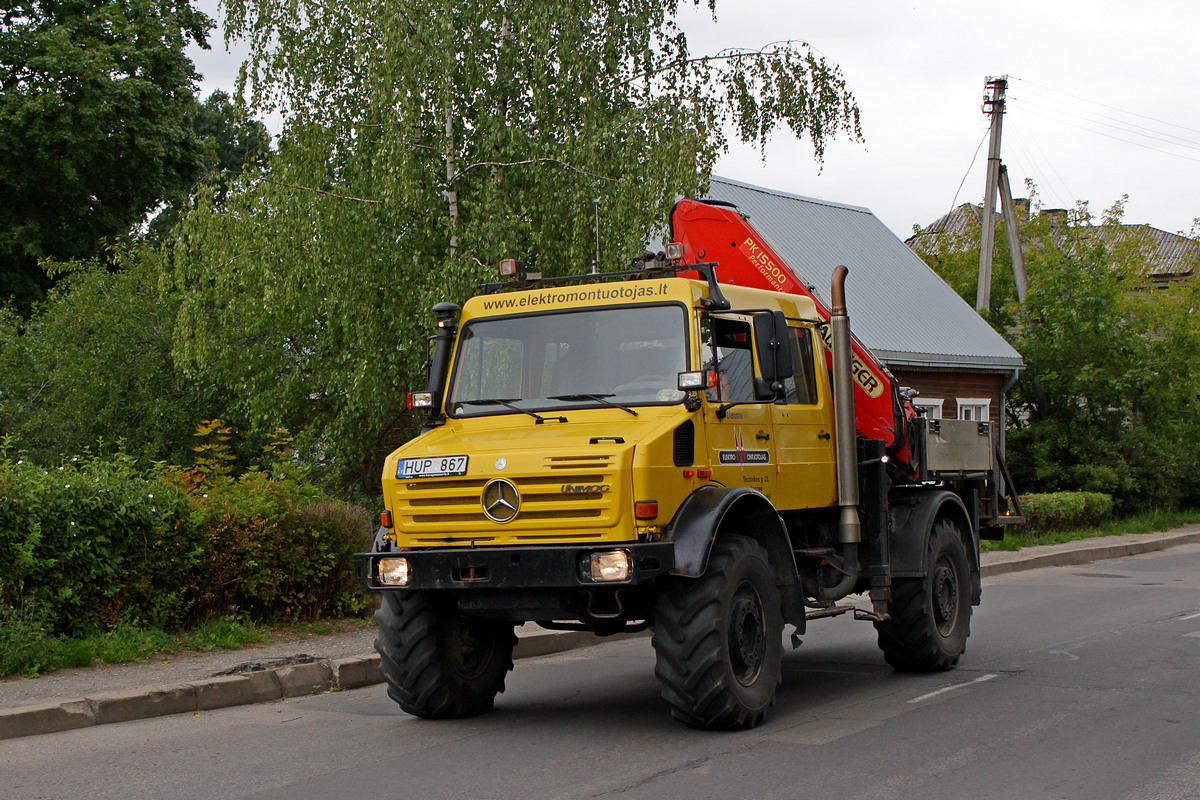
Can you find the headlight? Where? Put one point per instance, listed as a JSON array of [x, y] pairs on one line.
[[610, 567], [393, 571]]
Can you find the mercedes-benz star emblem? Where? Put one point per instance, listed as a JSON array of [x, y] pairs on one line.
[[501, 501]]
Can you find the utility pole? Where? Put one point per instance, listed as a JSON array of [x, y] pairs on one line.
[[993, 104], [1014, 236], [997, 179]]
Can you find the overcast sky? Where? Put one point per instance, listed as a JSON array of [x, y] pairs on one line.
[[1101, 101]]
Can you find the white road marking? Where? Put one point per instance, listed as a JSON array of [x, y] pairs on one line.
[[980, 679], [1190, 616]]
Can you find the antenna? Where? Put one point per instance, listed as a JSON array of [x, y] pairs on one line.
[[596, 257]]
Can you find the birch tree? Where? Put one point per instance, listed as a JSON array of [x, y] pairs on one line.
[[425, 140]]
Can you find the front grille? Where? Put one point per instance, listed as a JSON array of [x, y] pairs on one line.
[[450, 511]]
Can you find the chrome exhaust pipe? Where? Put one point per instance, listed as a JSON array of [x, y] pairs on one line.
[[846, 444], [849, 525]]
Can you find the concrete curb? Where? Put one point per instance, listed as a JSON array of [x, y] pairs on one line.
[[1085, 551], [324, 675], [223, 691]]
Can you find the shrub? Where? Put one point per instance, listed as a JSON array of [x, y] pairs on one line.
[[92, 542], [95, 544], [1064, 510], [277, 549]]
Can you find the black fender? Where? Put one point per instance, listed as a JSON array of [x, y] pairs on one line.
[[737, 509], [912, 515]]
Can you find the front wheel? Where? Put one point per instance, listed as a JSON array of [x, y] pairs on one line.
[[439, 663], [931, 616], [718, 639]]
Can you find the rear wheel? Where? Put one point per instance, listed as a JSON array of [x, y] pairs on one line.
[[931, 616], [718, 639], [439, 663]]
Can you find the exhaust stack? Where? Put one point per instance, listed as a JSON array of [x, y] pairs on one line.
[[849, 526], [439, 361], [849, 523]]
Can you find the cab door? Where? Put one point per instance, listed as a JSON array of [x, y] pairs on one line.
[[803, 427], [739, 426]]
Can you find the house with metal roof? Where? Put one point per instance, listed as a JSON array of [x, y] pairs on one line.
[[931, 339]]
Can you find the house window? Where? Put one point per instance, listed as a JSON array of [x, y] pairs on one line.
[[978, 409], [932, 406]]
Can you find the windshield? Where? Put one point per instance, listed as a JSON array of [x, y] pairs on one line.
[[616, 357]]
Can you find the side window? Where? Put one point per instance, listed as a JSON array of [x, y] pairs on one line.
[[932, 406], [802, 389], [726, 348], [974, 408]]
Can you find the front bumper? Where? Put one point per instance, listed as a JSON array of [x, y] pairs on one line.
[[557, 567]]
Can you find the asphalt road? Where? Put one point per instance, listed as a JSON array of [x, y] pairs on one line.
[[1079, 682]]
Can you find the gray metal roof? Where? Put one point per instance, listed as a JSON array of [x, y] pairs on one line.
[[898, 306]]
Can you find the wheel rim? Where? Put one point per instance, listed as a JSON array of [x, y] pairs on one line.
[[469, 653], [945, 596], [747, 642]]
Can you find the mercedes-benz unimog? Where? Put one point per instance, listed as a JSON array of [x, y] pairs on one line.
[[661, 448]]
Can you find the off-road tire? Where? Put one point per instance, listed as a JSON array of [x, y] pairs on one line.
[[931, 616], [439, 663], [719, 639]]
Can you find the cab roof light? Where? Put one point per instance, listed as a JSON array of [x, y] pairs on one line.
[[511, 268], [674, 252]]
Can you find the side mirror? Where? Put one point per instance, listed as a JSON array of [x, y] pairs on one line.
[[774, 349]]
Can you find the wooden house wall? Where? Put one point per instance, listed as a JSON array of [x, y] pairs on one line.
[[949, 386]]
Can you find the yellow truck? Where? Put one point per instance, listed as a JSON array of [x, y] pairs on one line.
[[656, 449]]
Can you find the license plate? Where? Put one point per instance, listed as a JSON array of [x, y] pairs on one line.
[[434, 467]]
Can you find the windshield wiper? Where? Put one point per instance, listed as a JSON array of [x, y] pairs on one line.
[[507, 402], [599, 398]]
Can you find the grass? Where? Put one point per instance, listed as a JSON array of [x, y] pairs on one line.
[[27, 649], [1147, 522]]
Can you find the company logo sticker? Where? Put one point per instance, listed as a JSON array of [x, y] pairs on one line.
[[740, 455]]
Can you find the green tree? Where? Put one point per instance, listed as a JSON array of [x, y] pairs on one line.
[[1109, 399], [91, 369], [232, 141], [96, 101], [427, 139]]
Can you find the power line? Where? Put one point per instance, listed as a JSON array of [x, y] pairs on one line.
[[1043, 168], [1116, 138], [969, 166], [1105, 105], [1125, 124], [1123, 127]]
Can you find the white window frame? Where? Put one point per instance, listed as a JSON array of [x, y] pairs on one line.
[[932, 406], [976, 402]]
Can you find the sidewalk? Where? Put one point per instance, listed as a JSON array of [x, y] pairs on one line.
[[193, 682]]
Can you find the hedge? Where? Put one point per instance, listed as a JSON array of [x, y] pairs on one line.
[[97, 542], [1059, 511]]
